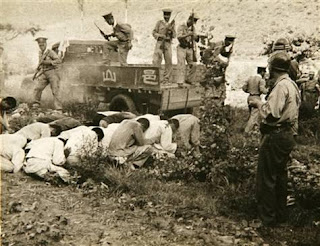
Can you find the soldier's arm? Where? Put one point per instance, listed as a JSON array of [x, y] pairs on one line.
[[180, 33], [262, 87], [155, 32], [54, 59], [271, 110], [125, 28], [173, 29], [245, 87]]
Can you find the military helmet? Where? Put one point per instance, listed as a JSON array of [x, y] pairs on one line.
[[281, 44], [280, 61]]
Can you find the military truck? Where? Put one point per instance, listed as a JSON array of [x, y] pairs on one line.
[[90, 71]]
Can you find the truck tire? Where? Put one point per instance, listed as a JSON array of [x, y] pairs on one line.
[[122, 102]]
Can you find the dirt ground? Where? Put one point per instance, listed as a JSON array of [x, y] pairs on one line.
[[39, 213]]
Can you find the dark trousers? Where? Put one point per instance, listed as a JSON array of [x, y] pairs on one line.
[[272, 175]]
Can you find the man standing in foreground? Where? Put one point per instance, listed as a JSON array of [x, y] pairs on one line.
[[124, 34], [280, 115], [47, 74], [255, 86], [164, 32]]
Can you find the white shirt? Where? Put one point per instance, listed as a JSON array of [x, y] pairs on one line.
[[17, 140], [159, 133], [108, 132], [150, 117], [82, 138], [35, 131], [67, 134], [11, 149], [51, 149]]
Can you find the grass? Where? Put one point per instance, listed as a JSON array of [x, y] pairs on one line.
[[188, 189]]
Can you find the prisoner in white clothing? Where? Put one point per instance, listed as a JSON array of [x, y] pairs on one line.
[[35, 131], [160, 134], [149, 117], [81, 141], [45, 155], [11, 152], [189, 130], [108, 133]]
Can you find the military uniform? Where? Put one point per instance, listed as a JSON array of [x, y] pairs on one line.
[[255, 86], [185, 53], [280, 116], [282, 44], [123, 32], [163, 45], [48, 75]]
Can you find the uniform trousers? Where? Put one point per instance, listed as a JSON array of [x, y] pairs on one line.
[[271, 182], [49, 77], [183, 55], [166, 52]]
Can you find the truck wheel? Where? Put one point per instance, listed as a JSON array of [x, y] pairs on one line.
[[122, 102]]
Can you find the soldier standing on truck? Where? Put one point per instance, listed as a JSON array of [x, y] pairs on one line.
[[186, 35], [164, 32], [47, 73], [124, 34]]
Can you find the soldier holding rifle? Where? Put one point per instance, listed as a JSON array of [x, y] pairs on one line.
[[164, 32], [124, 35], [186, 49], [47, 73]]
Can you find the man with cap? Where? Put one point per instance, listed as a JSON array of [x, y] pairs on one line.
[[279, 121], [255, 86], [124, 34], [185, 51], [283, 44], [227, 47], [222, 62], [164, 32], [47, 73]]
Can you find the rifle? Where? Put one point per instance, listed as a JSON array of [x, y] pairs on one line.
[[168, 28], [194, 54], [106, 36], [40, 71]]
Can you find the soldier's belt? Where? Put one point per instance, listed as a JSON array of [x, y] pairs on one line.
[[163, 39], [268, 129]]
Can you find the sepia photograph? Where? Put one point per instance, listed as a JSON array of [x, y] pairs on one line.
[[160, 122]]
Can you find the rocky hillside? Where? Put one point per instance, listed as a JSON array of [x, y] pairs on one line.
[[254, 22]]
